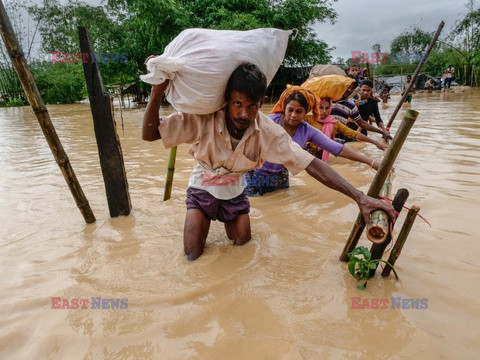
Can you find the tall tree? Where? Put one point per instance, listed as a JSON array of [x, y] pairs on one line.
[[413, 41], [466, 36], [157, 22]]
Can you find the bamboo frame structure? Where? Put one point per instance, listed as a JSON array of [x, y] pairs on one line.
[[402, 237], [380, 177], [171, 170], [41, 113]]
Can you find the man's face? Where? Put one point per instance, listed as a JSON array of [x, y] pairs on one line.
[[365, 92], [241, 111]]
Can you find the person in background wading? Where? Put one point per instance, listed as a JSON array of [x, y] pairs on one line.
[[231, 142], [449, 77], [408, 99], [368, 106]]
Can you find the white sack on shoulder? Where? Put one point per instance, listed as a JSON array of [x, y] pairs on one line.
[[198, 63]]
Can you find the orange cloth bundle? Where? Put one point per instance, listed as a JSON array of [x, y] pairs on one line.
[[331, 86], [312, 100]]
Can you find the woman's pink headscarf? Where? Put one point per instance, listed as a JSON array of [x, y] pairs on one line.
[[328, 125]]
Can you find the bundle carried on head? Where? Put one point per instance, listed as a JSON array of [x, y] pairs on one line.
[[331, 86], [198, 63], [312, 100], [327, 69]]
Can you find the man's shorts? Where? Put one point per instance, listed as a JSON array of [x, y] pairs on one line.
[[217, 209]]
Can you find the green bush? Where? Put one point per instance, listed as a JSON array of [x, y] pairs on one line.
[[60, 83]]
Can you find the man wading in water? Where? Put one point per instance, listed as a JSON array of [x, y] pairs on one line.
[[231, 142]]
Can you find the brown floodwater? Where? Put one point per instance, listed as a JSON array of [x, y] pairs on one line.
[[284, 295]]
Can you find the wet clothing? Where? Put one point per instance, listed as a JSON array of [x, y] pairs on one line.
[[305, 133], [338, 127], [370, 107], [260, 184], [211, 146], [217, 209]]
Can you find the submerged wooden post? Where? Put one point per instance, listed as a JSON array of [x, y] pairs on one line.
[[402, 237], [381, 176], [41, 113], [171, 170], [415, 74], [109, 149]]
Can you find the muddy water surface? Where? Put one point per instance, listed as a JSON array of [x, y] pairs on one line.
[[285, 295]]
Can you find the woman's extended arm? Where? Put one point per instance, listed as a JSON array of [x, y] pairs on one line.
[[349, 154], [329, 177], [361, 137], [320, 139]]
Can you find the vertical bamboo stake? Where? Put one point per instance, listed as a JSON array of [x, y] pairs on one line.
[[28, 83], [171, 170], [377, 227], [415, 74], [377, 250], [381, 176], [402, 237]]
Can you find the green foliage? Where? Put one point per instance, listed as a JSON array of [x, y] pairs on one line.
[[151, 32], [460, 48], [60, 83], [58, 26], [414, 41], [144, 27], [360, 264], [15, 102]]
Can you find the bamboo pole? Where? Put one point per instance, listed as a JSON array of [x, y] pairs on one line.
[[415, 74], [171, 170], [380, 177], [377, 227], [377, 250], [28, 83], [402, 237]]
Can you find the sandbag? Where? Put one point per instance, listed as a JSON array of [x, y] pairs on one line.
[[331, 86], [327, 69], [198, 63]]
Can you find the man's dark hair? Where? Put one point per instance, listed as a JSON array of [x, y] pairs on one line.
[[367, 82], [297, 97], [249, 80]]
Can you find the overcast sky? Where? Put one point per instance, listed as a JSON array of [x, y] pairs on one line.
[[359, 25]]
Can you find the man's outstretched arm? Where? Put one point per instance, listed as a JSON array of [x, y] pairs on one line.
[[329, 177], [151, 118]]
